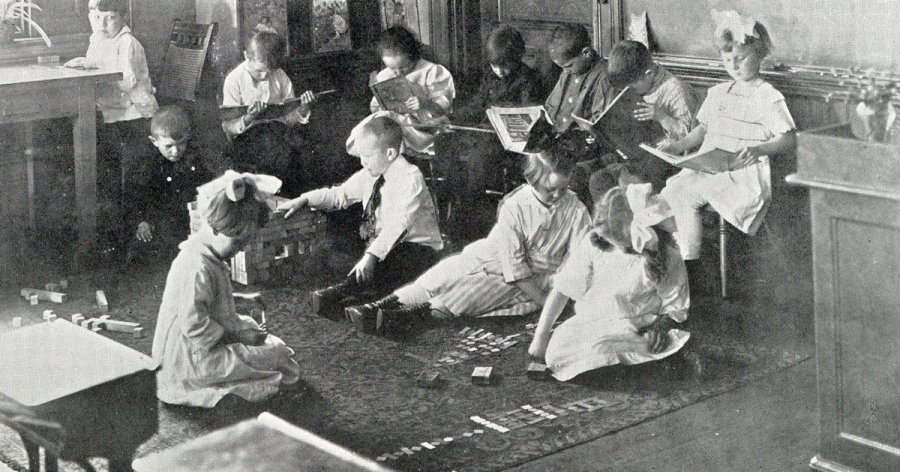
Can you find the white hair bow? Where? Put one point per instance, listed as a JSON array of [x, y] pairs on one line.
[[741, 26], [236, 186], [648, 210]]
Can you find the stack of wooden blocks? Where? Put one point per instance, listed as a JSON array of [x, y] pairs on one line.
[[279, 249]]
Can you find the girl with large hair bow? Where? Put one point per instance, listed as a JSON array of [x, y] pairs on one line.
[[629, 285], [205, 348]]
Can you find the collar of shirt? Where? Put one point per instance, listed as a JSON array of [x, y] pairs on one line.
[[399, 167], [659, 77], [125, 30]]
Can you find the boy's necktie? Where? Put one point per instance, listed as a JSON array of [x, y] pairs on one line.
[[367, 229]]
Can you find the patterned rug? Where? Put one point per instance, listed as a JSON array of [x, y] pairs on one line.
[[360, 391]]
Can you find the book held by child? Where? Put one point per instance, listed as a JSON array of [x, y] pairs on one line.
[[710, 162], [513, 124]]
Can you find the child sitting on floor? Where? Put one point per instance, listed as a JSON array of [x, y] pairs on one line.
[[629, 285], [206, 350], [276, 147], [666, 99], [399, 219], [159, 186], [431, 83], [474, 159], [506, 273], [745, 115]]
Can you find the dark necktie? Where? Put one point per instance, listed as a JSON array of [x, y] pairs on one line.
[[367, 229]]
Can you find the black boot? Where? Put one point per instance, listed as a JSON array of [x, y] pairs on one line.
[[397, 320], [330, 296], [366, 317]]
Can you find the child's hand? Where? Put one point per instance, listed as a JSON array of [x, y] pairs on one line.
[[648, 111], [748, 155], [307, 97], [671, 147], [538, 348], [144, 232], [291, 206], [413, 104], [364, 269], [657, 334], [76, 63], [252, 337], [253, 111]]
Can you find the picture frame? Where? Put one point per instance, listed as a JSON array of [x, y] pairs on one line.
[[411, 14], [330, 25]]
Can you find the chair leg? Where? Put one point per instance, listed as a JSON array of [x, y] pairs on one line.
[[33, 452], [723, 257]]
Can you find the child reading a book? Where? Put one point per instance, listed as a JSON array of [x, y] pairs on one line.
[[582, 89], [666, 99], [745, 115], [126, 106], [158, 187], [629, 285], [508, 272], [277, 146], [399, 219], [431, 87], [472, 158], [206, 350]]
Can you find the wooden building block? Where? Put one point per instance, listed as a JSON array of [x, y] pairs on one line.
[[17, 322], [86, 324], [52, 287], [428, 379], [483, 376], [48, 315], [120, 326], [33, 299], [77, 318], [102, 303], [55, 297], [138, 332], [538, 371]]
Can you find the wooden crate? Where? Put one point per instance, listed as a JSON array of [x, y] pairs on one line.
[[279, 249]]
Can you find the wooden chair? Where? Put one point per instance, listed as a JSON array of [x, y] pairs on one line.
[[722, 231], [183, 61]]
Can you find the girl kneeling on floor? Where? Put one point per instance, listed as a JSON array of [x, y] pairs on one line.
[[629, 285], [205, 348]]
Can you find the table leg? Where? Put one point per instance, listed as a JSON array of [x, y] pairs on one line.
[[33, 452], [51, 463], [85, 145]]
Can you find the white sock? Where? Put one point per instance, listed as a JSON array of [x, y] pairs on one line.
[[412, 295]]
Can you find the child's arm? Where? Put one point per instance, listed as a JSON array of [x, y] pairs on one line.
[[441, 92], [688, 143], [329, 198], [554, 306], [675, 300], [780, 144]]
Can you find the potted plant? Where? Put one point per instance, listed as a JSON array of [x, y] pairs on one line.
[[869, 109], [15, 14]]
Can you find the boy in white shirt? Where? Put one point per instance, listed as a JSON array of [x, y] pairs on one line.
[[399, 226]]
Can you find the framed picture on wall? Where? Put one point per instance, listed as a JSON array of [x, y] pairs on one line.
[[330, 26], [411, 14]]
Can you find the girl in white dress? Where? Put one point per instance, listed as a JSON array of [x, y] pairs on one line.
[[629, 285], [205, 348], [745, 115], [508, 272], [431, 83]]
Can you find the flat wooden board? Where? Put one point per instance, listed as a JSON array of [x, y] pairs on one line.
[[47, 361]]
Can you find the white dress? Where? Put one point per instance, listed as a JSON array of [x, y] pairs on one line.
[[197, 310], [614, 298], [529, 241], [429, 81]]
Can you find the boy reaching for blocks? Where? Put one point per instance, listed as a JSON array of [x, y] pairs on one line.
[[399, 219]]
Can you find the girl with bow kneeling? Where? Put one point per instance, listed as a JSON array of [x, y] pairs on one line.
[[629, 285], [205, 348]]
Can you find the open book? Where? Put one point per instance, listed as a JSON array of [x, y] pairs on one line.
[[273, 111], [711, 162], [617, 127], [514, 124], [393, 93]]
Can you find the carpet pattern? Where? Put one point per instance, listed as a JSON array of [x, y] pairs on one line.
[[359, 390]]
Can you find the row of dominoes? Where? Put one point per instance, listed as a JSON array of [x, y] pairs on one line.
[[426, 446], [489, 424], [478, 342]]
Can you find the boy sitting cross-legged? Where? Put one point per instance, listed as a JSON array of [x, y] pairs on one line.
[[399, 225]]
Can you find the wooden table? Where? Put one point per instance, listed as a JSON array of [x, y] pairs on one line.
[[99, 395], [264, 443], [36, 92], [855, 201]]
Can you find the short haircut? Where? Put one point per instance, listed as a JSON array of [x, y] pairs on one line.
[[171, 121], [571, 39], [762, 44], [118, 6], [505, 46], [234, 219], [628, 61], [541, 164], [401, 40], [387, 131], [267, 47]]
